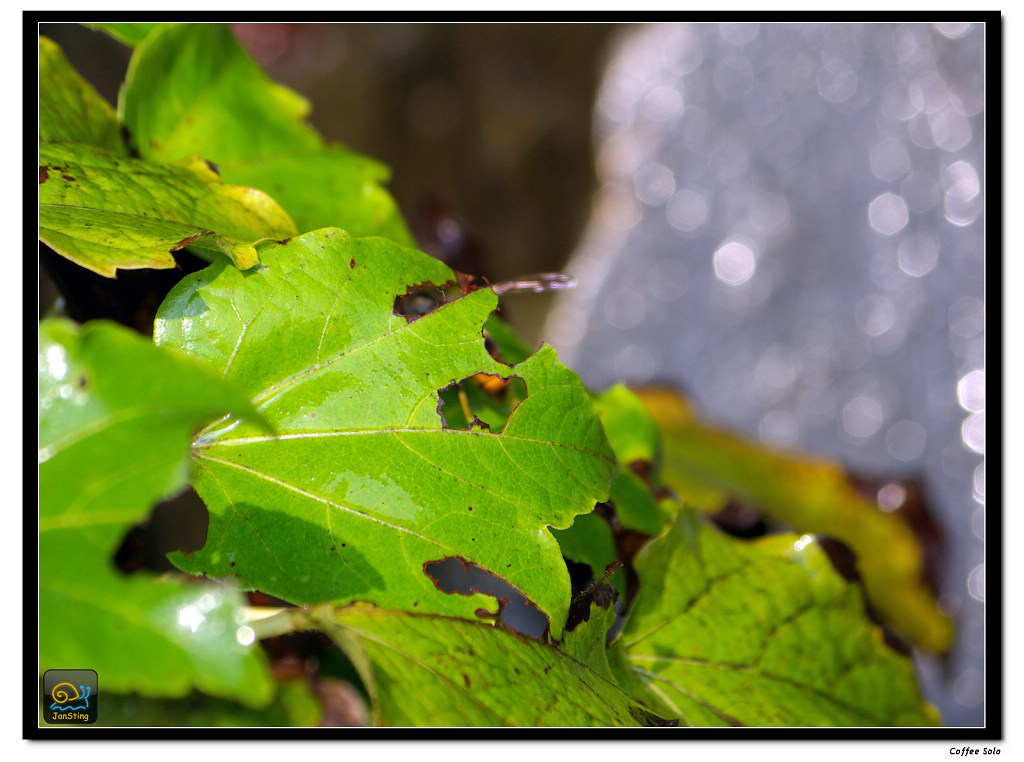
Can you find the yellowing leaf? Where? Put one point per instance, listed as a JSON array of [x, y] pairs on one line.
[[69, 108], [764, 633], [106, 212], [811, 495]]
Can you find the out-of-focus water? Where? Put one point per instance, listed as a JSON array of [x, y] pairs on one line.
[[790, 228]]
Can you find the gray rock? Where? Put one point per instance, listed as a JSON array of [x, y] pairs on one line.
[[790, 228]]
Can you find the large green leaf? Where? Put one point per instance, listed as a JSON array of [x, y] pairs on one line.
[[706, 465], [192, 89], [428, 670], [116, 416], [69, 107], [365, 485], [761, 633], [105, 212]]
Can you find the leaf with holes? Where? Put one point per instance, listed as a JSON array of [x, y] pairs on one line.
[[759, 633], [429, 670], [116, 416], [364, 483]]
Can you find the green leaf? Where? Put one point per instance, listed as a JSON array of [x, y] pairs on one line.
[[116, 416], [130, 33], [811, 495], [631, 431], [293, 706], [69, 107], [192, 89], [106, 212], [765, 633], [429, 670], [636, 442], [326, 187], [364, 485]]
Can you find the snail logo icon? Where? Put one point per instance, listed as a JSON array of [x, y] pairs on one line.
[[70, 696]]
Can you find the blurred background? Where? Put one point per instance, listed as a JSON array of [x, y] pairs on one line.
[[783, 220]]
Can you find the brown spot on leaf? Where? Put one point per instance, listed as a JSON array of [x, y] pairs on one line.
[[43, 174], [185, 242], [470, 283], [352, 263]]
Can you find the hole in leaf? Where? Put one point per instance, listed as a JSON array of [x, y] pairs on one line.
[[179, 523], [580, 576], [483, 400], [461, 577], [601, 592], [419, 300]]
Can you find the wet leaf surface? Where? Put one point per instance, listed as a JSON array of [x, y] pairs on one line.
[[763, 633], [437, 671], [811, 495], [116, 416], [364, 484], [192, 89]]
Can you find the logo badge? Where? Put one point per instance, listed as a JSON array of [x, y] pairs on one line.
[[70, 696]]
